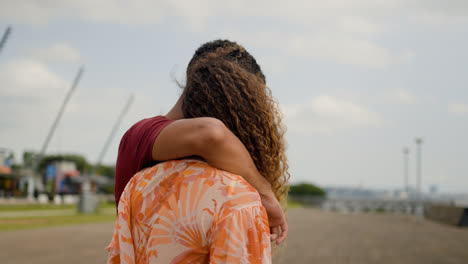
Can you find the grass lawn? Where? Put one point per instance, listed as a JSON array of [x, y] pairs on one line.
[[48, 221], [28, 207], [293, 204], [106, 213]]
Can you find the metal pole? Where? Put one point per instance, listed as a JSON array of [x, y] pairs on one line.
[[111, 136], [59, 115], [88, 202], [38, 160], [419, 210], [405, 168], [5, 37]]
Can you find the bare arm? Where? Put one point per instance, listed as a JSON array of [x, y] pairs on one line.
[[210, 139]]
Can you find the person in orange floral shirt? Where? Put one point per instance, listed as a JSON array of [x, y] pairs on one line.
[[189, 212]]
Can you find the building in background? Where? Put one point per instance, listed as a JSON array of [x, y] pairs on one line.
[[61, 177], [8, 178], [5, 160]]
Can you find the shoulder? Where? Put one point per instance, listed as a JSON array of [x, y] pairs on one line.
[[149, 122], [146, 126]]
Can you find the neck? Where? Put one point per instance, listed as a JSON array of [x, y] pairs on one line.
[[176, 111]]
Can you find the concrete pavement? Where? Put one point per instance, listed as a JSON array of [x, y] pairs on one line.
[[315, 237]]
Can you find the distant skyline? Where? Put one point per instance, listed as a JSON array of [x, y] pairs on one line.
[[357, 80]]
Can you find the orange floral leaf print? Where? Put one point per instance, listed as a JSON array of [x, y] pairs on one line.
[[186, 211]]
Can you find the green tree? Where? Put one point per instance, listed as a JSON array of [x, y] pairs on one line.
[[303, 189], [105, 170], [80, 161], [11, 157], [29, 158], [81, 164]]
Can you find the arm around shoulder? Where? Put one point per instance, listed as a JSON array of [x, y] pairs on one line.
[[210, 139], [189, 137]]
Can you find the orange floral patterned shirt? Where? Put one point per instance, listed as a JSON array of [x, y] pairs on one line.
[[186, 211]]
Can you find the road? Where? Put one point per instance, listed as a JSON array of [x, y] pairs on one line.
[[315, 237], [327, 237]]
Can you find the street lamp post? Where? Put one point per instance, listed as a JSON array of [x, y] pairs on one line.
[[419, 209], [405, 168]]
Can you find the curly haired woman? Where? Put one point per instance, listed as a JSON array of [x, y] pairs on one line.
[[186, 211]]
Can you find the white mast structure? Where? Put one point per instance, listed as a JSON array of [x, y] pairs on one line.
[[419, 208], [88, 203], [39, 158], [5, 37]]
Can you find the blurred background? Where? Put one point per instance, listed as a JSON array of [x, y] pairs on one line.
[[374, 95]]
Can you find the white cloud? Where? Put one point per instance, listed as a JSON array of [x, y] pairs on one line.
[[457, 108], [335, 30], [27, 77], [200, 13], [402, 96], [105, 11], [328, 114], [42, 12], [346, 49], [272, 64], [59, 52], [31, 94], [356, 24], [335, 46], [436, 12], [28, 95]]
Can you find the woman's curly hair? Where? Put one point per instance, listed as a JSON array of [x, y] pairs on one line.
[[226, 83]]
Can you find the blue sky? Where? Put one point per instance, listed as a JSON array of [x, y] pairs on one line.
[[357, 80]]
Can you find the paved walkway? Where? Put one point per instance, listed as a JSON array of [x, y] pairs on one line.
[[67, 244], [315, 237], [327, 237]]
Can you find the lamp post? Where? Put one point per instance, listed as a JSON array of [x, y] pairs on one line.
[[419, 209], [405, 168]]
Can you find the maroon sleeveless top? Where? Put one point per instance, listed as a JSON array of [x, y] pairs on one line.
[[135, 151]]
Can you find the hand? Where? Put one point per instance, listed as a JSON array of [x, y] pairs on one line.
[[276, 218]]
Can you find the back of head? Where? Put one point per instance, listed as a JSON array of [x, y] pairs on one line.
[[232, 89], [236, 53]]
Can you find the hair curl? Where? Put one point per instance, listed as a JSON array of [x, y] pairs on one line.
[[226, 83]]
